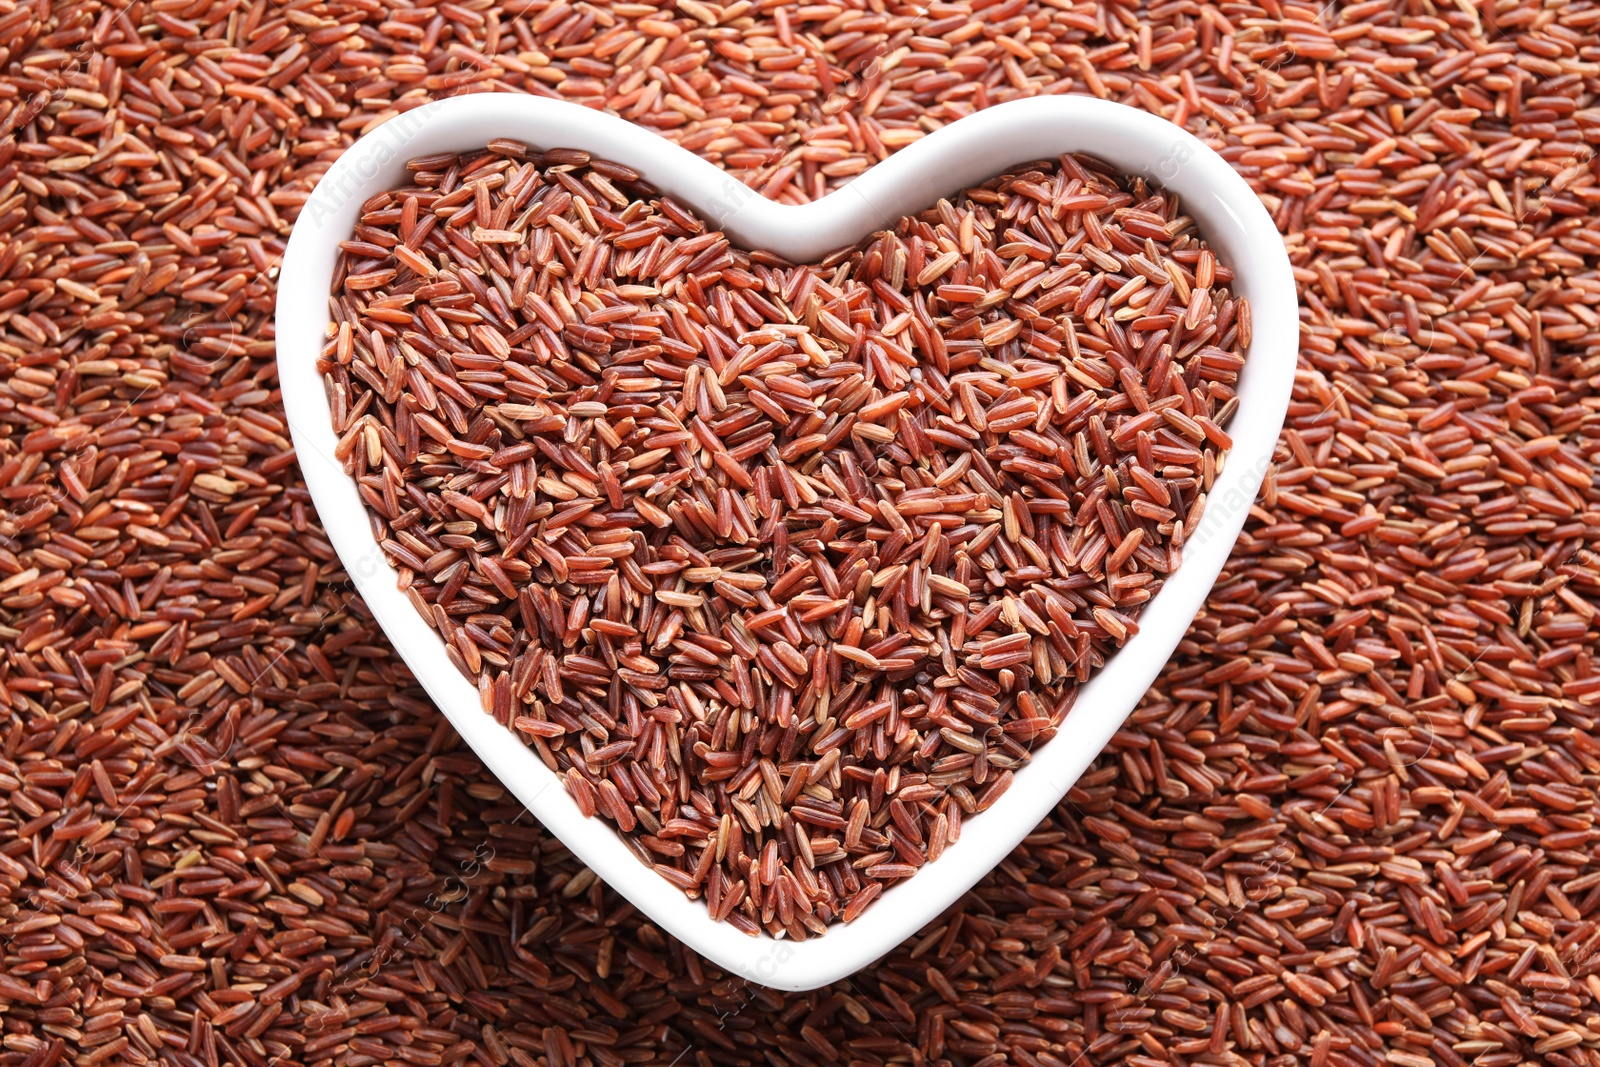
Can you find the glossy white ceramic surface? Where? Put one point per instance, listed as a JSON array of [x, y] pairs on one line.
[[965, 153]]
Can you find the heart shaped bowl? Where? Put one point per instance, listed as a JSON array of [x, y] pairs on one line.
[[1230, 218]]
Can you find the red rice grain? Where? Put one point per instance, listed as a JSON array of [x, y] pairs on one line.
[[1370, 768], [748, 551]]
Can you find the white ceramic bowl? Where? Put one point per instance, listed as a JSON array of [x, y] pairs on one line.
[[963, 154]]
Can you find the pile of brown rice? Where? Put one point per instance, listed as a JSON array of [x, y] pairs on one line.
[[1353, 823], [784, 568]]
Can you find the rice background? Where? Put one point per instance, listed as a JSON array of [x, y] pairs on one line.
[[1353, 823]]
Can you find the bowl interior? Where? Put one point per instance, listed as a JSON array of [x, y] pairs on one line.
[[966, 153]]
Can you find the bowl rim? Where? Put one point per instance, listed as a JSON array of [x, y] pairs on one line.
[[1230, 217]]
